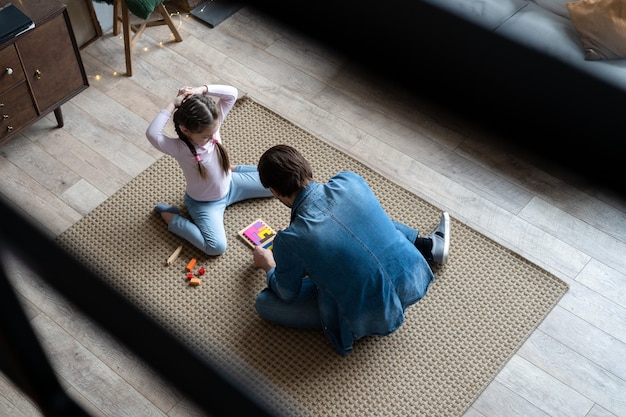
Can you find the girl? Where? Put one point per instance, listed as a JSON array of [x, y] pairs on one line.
[[212, 182]]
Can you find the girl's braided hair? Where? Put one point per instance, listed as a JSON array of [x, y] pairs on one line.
[[197, 113]]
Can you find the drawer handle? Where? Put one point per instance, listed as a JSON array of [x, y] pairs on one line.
[[38, 74], [10, 129], [9, 70], [5, 116]]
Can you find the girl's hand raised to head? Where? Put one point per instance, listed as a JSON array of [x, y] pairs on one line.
[[186, 92], [179, 99], [190, 91]]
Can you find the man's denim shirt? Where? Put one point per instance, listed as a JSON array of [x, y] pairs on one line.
[[365, 266]]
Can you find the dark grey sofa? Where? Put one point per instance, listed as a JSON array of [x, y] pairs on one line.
[[542, 25], [515, 66]]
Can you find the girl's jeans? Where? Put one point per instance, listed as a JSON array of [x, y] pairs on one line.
[[206, 232]]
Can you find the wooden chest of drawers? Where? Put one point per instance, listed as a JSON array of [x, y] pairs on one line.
[[40, 69]]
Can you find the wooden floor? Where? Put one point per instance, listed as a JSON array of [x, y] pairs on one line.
[[572, 365]]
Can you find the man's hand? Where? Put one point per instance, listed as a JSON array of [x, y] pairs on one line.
[[263, 258]]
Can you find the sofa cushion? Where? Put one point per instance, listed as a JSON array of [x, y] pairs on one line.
[[555, 36], [555, 6], [602, 27], [488, 14], [544, 31]]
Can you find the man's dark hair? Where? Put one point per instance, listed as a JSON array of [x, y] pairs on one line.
[[284, 169]]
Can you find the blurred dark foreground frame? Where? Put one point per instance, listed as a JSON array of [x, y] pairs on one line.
[[25, 362]]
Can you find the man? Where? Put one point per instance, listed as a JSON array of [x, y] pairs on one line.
[[342, 265]]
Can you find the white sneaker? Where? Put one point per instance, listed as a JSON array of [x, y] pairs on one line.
[[441, 240]]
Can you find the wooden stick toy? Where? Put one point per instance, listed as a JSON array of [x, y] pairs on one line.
[[174, 255]]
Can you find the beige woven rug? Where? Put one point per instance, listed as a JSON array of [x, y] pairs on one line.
[[482, 306]]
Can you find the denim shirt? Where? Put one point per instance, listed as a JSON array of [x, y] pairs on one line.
[[366, 270]]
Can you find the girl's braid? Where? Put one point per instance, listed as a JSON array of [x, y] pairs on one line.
[[197, 113]]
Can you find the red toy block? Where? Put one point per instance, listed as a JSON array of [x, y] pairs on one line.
[[201, 271]]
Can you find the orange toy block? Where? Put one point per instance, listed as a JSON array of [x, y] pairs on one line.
[[191, 264], [194, 281]]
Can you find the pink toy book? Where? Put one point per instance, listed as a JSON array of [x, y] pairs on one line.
[[258, 233]]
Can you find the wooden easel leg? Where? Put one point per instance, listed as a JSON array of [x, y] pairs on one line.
[[121, 14], [127, 40], [116, 17], [168, 20]]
